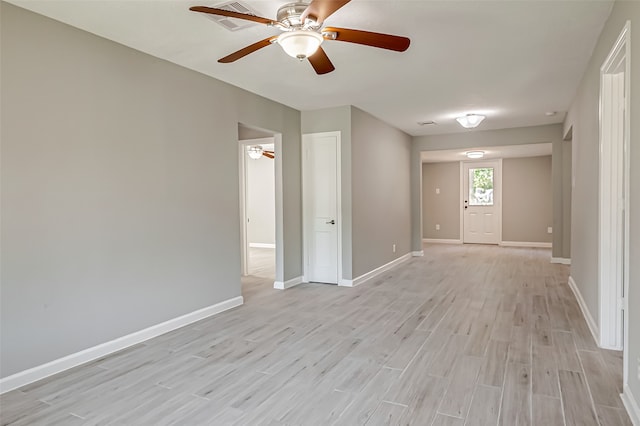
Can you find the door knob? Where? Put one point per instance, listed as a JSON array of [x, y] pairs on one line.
[[331, 222]]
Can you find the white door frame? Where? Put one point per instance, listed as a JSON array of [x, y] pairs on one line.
[[306, 222], [497, 200], [613, 241], [242, 162]]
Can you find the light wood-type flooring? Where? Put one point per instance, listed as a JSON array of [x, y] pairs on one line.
[[262, 262], [466, 335]]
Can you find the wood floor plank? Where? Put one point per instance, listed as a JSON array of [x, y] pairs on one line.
[[407, 349], [485, 406], [443, 364], [516, 397], [547, 411], [603, 389], [495, 363], [501, 330], [458, 396], [444, 420], [365, 403], [544, 373], [520, 347], [387, 414], [566, 353], [574, 397], [323, 407], [423, 404], [609, 416]]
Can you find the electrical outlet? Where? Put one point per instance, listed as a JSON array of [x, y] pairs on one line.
[[638, 368], [437, 190], [437, 226], [549, 230], [393, 248]]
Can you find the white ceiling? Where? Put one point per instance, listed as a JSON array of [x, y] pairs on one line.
[[512, 60], [490, 152]]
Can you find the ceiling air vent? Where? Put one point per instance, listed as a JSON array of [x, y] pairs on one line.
[[233, 24]]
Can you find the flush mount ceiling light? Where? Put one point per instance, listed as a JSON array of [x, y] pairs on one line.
[[475, 154], [300, 43], [470, 121], [254, 152]]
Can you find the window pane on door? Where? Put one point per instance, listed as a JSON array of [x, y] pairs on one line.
[[481, 186]]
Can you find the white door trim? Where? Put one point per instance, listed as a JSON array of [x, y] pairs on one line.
[[306, 223], [613, 247], [498, 196]]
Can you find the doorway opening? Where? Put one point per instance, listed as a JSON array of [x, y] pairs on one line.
[[613, 250], [258, 152]]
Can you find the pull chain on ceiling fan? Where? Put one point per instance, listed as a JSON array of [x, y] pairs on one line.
[[303, 34]]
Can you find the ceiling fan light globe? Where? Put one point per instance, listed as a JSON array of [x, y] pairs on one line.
[[255, 152], [300, 44], [470, 121]]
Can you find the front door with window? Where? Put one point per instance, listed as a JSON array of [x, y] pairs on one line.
[[481, 202]]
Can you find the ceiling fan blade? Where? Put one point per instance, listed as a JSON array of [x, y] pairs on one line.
[[231, 14], [383, 41], [249, 49], [320, 62], [322, 9], [269, 154]]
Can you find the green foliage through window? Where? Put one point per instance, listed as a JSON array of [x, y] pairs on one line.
[[483, 178]]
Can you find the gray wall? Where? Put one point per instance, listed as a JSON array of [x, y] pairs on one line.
[[527, 208], [375, 186], [120, 201], [261, 197], [517, 136], [526, 199], [444, 208], [582, 120], [381, 192]]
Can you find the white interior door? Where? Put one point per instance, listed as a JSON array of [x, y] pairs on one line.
[[481, 202], [320, 160]]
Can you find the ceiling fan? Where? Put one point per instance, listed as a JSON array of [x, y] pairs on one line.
[[256, 151], [303, 33]]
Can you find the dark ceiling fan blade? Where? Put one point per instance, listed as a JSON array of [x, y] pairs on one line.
[[231, 14], [320, 62], [249, 49], [383, 41], [322, 9], [269, 154]]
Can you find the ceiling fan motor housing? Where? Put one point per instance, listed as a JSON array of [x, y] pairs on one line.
[[290, 15]]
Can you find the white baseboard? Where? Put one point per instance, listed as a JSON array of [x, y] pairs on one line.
[[262, 245], [593, 326], [61, 364], [561, 260], [280, 285], [441, 241], [417, 253], [525, 244], [371, 274], [631, 405]]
